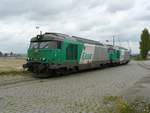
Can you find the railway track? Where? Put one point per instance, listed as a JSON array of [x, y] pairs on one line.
[[31, 80], [21, 82], [7, 83]]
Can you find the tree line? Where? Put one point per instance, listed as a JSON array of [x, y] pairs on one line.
[[144, 43], [6, 54]]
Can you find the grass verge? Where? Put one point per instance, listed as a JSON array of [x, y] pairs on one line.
[[110, 104], [114, 104], [14, 72]]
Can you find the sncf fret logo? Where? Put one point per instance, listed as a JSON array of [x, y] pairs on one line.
[[86, 56]]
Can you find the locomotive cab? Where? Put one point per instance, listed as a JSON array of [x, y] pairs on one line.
[[45, 52]]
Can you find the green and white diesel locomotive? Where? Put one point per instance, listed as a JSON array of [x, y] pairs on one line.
[[60, 53]]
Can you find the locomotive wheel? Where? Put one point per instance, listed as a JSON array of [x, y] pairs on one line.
[[41, 75], [37, 73]]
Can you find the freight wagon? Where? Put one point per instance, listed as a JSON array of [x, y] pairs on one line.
[[60, 53]]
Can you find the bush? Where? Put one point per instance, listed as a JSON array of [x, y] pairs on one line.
[[119, 105]]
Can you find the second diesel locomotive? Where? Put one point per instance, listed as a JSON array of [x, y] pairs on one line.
[[60, 53]]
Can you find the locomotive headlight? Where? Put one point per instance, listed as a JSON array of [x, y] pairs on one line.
[[28, 59], [44, 59]]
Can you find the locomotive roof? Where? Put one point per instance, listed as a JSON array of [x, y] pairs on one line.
[[116, 47], [87, 40], [122, 48], [61, 37], [50, 36]]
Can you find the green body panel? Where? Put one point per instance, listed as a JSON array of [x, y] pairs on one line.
[[55, 56], [45, 55], [114, 55]]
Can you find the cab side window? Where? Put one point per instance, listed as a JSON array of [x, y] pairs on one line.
[[55, 44]]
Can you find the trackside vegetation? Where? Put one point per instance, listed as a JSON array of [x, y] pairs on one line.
[[112, 104], [144, 44], [14, 72]]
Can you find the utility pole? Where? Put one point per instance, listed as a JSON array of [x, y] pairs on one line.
[[113, 40], [129, 46], [119, 41], [40, 32]]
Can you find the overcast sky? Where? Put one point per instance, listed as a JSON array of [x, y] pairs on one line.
[[93, 19]]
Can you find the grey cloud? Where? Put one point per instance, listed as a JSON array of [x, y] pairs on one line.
[[33, 8], [95, 19], [143, 17], [119, 5]]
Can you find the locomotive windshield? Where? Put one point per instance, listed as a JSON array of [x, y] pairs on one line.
[[46, 44], [33, 45]]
